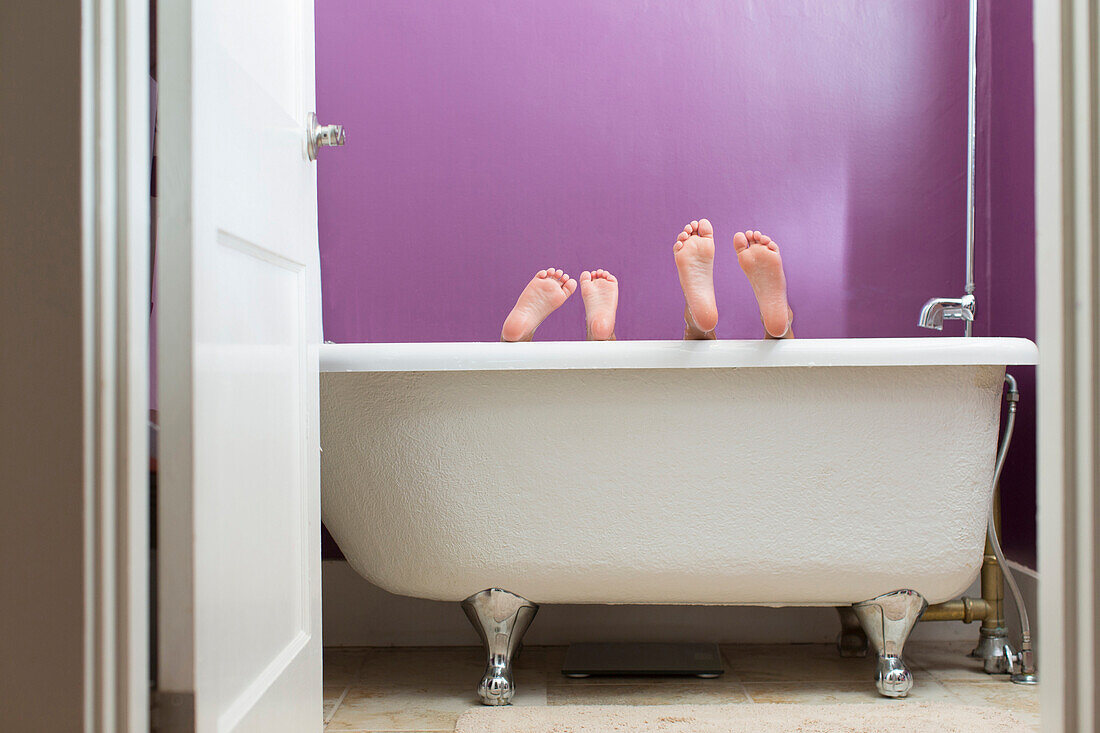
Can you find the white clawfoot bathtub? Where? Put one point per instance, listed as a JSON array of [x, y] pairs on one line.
[[800, 472]]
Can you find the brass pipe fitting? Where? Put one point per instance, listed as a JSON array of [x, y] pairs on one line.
[[963, 609], [993, 580]]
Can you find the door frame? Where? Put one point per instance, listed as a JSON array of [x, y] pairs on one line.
[[115, 192], [115, 256], [74, 371], [1067, 218], [114, 184]]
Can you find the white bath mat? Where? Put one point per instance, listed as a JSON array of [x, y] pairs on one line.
[[755, 718]]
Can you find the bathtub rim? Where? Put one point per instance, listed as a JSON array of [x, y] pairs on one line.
[[855, 352]]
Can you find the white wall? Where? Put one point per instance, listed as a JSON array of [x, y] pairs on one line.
[[41, 416], [357, 613]]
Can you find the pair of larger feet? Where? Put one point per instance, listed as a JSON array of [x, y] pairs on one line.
[[694, 252]]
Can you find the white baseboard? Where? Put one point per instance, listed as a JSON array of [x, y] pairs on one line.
[[357, 613]]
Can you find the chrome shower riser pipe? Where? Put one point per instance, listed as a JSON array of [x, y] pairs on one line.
[[971, 143], [936, 310]]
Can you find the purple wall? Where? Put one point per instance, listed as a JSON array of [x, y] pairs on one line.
[[1011, 296], [491, 138]]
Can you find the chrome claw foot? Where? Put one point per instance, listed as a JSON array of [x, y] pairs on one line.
[[497, 686], [888, 621], [892, 677], [501, 618], [851, 641]]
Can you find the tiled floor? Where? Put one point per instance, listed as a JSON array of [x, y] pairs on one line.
[[426, 689]]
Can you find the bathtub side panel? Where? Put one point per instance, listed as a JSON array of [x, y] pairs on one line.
[[775, 486]]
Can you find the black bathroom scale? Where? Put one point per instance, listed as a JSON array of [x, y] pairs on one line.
[[621, 659]]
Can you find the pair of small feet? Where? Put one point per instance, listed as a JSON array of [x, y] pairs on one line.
[[550, 288], [694, 251], [759, 259]]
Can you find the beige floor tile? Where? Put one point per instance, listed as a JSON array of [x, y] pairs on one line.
[[331, 695], [794, 663], [699, 692], [426, 689], [828, 691], [999, 692], [946, 660], [367, 708], [411, 704], [439, 667]]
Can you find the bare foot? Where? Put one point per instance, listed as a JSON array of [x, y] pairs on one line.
[[600, 292], [542, 296], [759, 258], [694, 253]]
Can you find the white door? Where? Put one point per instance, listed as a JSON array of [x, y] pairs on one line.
[[239, 324]]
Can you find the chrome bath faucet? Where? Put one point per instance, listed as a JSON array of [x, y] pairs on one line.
[[937, 309]]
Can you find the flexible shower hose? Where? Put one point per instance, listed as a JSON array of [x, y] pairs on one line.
[[1013, 397]]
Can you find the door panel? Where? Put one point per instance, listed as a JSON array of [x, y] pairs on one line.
[[239, 585]]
